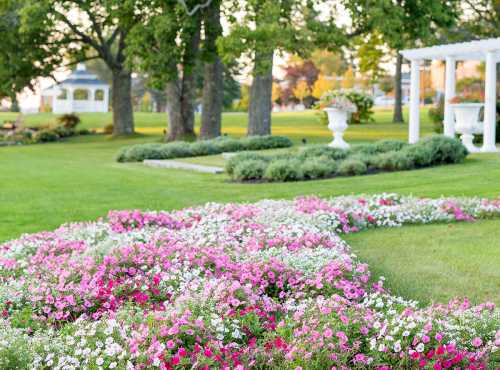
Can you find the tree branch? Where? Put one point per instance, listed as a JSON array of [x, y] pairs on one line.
[[196, 8]]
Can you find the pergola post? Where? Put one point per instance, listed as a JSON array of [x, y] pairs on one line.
[[414, 127], [449, 93], [490, 97]]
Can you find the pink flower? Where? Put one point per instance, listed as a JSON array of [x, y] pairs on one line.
[[477, 342], [328, 333]]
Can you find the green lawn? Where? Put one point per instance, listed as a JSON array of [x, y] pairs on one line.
[[42, 186], [436, 262]]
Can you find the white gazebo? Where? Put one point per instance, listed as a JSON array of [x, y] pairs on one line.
[[81, 92], [482, 50]]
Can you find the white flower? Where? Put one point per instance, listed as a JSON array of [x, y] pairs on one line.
[[420, 348]]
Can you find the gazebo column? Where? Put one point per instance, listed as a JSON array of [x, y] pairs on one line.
[[490, 97], [449, 93], [414, 128], [71, 99]]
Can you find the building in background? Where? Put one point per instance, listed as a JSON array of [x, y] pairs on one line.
[[81, 92]]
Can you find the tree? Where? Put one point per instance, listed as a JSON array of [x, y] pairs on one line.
[[276, 93], [18, 52], [93, 29], [168, 46], [322, 85], [348, 79], [405, 24], [270, 26], [302, 90], [482, 19], [371, 52], [213, 76], [329, 63]]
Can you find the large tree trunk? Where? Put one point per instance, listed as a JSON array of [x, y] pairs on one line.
[[180, 109], [259, 111], [213, 79], [123, 114], [398, 93], [213, 94]]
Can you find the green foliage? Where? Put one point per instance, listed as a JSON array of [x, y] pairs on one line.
[[322, 151], [318, 168], [389, 145], [45, 136], [379, 147], [227, 144], [393, 161], [249, 169], [352, 167], [318, 162], [265, 142], [181, 149], [444, 150], [21, 47], [436, 114], [232, 162], [422, 156], [69, 120], [284, 170]]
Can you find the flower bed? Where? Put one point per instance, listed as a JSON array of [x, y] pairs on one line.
[[182, 149], [318, 162], [264, 285]]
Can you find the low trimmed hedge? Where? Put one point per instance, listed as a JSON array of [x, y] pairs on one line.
[[317, 162], [182, 149]]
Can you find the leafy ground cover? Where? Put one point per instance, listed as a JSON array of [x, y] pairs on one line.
[[265, 285]]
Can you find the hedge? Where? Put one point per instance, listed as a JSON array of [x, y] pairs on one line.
[[317, 162], [182, 149]]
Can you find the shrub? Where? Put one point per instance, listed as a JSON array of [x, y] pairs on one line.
[[137, 153], [232, 162], [436, 115], [45, 136], [384, 146], [227, 144], [250, 169], [84, 132], [444, 150], [393, 161], [201, 148], [63, 131], [69, 121], [265, 142], [108, 129], [352, 167], [323, 151], [284, 170], [317, 168], [420, 155], [175, 150]]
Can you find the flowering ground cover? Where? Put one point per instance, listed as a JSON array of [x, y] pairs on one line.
[[269, 285]]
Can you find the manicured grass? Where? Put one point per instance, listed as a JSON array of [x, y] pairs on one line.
[[43, 186], [436, 262]]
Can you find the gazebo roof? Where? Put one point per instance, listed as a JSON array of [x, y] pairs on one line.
[[472, 50], [79, 77]]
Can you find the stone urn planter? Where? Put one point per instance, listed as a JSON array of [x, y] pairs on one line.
[[337, 123], [467, 123]]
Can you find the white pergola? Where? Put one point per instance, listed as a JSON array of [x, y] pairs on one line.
[[482, 50]]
